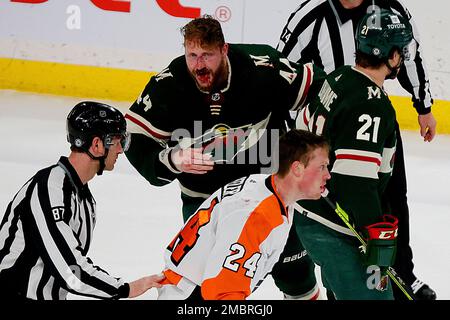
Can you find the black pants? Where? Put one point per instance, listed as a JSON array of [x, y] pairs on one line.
[[396, 199]]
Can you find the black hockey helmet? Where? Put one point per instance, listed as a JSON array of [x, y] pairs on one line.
[[90, 119], [381, 31]]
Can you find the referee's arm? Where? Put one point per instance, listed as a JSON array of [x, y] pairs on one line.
[[60, 250], [413, 75]]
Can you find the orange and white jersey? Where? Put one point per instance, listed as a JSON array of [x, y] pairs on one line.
[[230, 244]]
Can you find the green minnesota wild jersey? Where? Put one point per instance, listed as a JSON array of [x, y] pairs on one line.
[[238, 125], [358, 119]]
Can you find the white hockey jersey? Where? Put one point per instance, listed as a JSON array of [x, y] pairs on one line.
[[230, 244]]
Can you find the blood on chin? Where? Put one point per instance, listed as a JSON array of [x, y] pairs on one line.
[[203, 83]]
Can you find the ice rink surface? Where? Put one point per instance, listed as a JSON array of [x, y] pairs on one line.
[[135, 221]]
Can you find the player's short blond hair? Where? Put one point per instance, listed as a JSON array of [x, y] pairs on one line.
[[205, 30]]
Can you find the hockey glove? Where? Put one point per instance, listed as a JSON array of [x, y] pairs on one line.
[[381, 242]]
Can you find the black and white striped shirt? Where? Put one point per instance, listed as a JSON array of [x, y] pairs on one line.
[[45, 236], [307, 34]]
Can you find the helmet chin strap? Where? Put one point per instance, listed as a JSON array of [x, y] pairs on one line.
[[101, 159], [394, 69]]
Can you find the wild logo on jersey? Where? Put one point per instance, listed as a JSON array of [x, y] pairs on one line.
[[224, 143]]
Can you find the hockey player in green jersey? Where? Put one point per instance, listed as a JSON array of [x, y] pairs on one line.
[[214, 114], [354, 112]]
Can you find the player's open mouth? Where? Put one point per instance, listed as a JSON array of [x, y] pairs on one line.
[[203, 79], [203, 75]]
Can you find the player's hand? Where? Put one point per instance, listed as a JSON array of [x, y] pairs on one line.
[[141, 285], [427, 124], [192, 160]]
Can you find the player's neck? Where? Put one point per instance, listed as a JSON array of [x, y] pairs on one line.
[[376, 75], [285, 189]]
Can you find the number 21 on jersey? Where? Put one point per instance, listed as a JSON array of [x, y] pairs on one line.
[[368, 131]]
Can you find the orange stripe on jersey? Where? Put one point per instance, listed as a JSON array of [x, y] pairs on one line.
[[171, 277], [229, 284]]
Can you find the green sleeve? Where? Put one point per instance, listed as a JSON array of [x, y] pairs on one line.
[[151, 127], [294, 83], [143, 155]]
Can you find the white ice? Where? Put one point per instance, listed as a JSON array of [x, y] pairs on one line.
[[135, 221]]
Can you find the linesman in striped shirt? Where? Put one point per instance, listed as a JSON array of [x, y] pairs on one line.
[[47, 229], [323, 32]]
